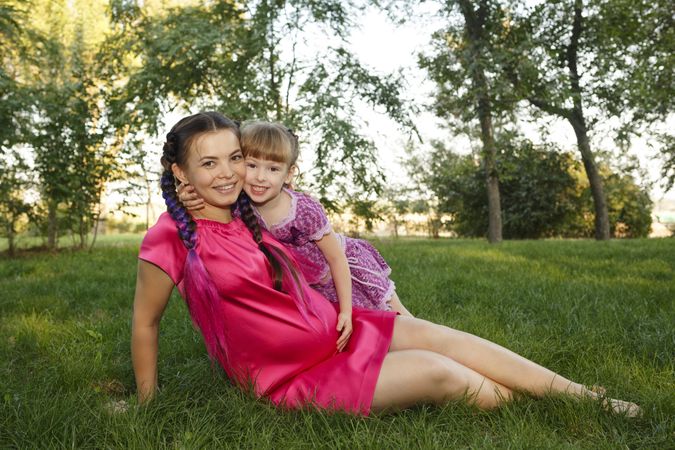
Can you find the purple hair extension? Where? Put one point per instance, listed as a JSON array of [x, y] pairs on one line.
[[298, 287], [201, 295], [291, 278], [202, 299]]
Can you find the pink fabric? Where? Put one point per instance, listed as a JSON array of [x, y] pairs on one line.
[[289, 361], [306, 223]]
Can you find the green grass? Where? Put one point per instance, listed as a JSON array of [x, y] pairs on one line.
[[597, 312]]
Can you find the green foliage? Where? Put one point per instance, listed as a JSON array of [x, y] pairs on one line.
[[542, 189], [594, 312], [59, 118], [241, 59], [14, 207]]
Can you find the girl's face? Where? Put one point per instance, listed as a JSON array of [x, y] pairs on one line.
[[265, 179], [215, 168]]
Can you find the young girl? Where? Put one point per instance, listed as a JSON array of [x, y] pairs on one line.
[[345, 270]]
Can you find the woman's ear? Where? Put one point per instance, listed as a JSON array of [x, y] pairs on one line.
[[179, 174]]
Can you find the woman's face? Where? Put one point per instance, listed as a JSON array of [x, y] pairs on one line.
[[215, 168]]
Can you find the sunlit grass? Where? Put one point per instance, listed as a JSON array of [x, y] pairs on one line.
[[597, 312]]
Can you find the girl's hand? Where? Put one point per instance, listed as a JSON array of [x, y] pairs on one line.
[[189, 198], [344, 326]]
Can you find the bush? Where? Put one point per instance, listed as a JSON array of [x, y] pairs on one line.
[[544, 193]]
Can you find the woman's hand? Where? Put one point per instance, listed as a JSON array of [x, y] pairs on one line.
[[344, 327], [189, 198]]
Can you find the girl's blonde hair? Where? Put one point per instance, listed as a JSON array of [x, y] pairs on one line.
[[270, 141]]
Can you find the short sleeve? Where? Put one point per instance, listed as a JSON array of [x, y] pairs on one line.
[[162, 247], [311, 218]]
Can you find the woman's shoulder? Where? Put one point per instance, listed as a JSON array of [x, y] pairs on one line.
[[162, 247], [164, 230]]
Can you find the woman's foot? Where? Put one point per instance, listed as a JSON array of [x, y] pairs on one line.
[[629, 409]]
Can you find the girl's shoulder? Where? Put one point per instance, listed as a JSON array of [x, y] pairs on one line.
[[309, 218]]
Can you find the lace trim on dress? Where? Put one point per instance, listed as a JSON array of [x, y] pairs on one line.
[[352, 261], [324, 230]]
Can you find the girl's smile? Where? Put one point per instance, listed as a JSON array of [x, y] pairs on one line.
[[265, 179]]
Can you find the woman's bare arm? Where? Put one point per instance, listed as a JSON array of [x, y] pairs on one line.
[[153, 289]]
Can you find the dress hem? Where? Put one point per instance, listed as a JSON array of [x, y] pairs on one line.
[[367, 391]]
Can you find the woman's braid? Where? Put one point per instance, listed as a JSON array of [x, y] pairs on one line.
[[248, 216], [184, 223], [251, 221]]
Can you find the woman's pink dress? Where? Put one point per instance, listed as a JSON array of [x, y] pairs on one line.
[[288, 360]]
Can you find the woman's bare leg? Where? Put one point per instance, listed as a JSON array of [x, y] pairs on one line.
[[397, 306], [409, 377], [485, 357], [490, 360]]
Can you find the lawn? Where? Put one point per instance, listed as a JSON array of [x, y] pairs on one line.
[[597, 312]]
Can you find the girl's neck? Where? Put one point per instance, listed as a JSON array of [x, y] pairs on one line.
[[275, 209]]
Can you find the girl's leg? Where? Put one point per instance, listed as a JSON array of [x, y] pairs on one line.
[[397, 306], [409, 377]]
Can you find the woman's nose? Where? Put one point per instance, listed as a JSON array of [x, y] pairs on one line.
[[226, 171]]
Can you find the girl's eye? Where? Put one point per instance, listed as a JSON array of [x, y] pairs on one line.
[[250, 165], [208, 164], [275, 169]]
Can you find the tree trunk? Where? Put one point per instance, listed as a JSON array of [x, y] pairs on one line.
[[474, 20], [491, 178], [578, 122], [594, 179], [52, 226], [10, 239]]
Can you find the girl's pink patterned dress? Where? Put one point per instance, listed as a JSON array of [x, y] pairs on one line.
[[306, 223]]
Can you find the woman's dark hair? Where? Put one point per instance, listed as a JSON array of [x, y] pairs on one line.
[[200, 292]]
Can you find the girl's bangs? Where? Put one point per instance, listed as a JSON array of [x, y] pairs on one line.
[[281, 154]]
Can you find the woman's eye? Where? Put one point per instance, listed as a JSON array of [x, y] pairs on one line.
[[237, 157], [208, 164]]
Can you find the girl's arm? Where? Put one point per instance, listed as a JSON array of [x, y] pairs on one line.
[[153, 289], [339, 270]]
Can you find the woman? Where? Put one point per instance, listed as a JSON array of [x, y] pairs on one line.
[[266, 328]]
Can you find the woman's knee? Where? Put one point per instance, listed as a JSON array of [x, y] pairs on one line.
[[447, 380]]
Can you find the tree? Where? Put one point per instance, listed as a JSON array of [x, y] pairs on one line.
[[65, 126], [241, 59], [544, 192], [467, 55], [588, 61]]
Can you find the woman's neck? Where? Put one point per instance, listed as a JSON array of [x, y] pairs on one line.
[[215, 213]]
